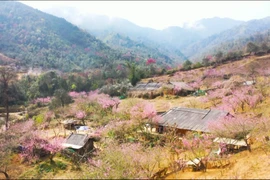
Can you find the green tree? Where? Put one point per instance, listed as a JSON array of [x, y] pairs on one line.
[[187, 65], [219, 56], [197, 65], [133, 75], [264, 47], [205, 61], [61, 98], [251, 47], [7, 76]]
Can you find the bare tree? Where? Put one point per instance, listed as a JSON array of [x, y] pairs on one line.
[[7, 75]]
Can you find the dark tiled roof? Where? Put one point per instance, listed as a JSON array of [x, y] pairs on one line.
[[191, 119]]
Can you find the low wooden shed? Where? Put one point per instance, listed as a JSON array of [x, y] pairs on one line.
[[71, 123], [154, 89], [81, 143]]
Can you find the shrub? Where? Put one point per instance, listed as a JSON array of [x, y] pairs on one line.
[[46, 167], [39, 119]]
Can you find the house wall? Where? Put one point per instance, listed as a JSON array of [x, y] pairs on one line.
[[87, 147], [144, 94], [163, 129]]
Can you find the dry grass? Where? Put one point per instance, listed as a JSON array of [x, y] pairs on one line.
[[244, 165]]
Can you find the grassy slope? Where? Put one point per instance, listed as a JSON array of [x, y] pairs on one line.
[[243, 165]]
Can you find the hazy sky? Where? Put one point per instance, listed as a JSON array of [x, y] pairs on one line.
[[161, 14]]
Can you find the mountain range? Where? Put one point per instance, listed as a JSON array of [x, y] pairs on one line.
[[69, 40], [193, 40], [172, 38], [36, 38], [232, 39]]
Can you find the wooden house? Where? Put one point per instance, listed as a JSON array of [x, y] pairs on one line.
[[189, 119], [233, 145], [184, 88], [80, 143], [71, 123], [154, 89], [146, 90]]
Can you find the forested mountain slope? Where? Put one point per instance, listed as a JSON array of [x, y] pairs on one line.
[[232, 39], [38, 39], [169, 41]]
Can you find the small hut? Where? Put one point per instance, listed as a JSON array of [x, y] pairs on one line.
[[182, 88], [146, 90], [83, 130], [154, 89], [80, 143], [232, 145], [71, 123]]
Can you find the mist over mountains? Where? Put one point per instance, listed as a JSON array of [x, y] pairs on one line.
[[194, 40], [116, 37], [100, 25]]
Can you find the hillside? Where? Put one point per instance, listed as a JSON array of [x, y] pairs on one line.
[[38, 39], [82, 111], [122, 147], [210, 26], [171, 40], [136, 49], [232, 39]]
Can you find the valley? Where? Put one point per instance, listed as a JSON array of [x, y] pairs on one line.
[[108, 99]]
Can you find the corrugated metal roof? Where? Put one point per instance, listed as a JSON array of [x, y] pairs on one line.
[[76, 141], [230, 141], [191, 119]]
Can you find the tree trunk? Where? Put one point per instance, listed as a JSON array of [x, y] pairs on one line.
[[6, 104], [248, 145], [83, 121], [7, 116], [51, 158], [5, 173], [202, 166]]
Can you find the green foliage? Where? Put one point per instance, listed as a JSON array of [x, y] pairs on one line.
[[134, 75], [264, 47], [39, 119], [38, 39], [219, 56], [251, 47], [46, 167], [133, 48], [73, 87], [197, 65], [42, 169], [234, 39], [205, 61], [61, 98], [119, 89], [187, 65]]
